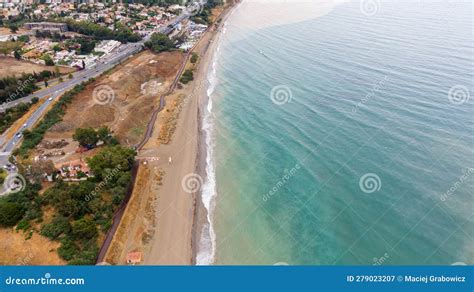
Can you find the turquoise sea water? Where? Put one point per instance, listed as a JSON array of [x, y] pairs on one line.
[[345, 138]]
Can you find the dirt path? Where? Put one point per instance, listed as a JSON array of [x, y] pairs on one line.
[[159, 218]]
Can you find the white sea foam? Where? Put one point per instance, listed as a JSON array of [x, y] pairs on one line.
[[207, 243]]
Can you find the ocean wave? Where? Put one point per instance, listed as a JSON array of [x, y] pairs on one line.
[[207, 243]]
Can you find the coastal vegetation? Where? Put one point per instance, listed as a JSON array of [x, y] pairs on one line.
[[203, 17], [12, 87], [10, 46], [187, 76], [89, 137], [34, 137], [10, 115], [82, 210], [159, 43], [194, 58], [121, 33]]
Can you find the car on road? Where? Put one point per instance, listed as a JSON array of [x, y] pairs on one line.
[[50, 99], [19, 134]]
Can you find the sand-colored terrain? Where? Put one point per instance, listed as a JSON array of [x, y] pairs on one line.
[[10, 66], [131, 93], [166, 237], [15, 249]]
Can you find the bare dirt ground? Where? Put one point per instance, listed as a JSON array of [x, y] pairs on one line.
[[132, 92], [10, 66], [7, 31], [137, 85], [164, 233], [16, 250]]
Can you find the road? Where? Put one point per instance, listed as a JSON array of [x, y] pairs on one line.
[[120, 54]]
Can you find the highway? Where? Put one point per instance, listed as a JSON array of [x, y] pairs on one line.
[[108, 62]]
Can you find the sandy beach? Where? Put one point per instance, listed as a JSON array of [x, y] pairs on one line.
[[160, 218]]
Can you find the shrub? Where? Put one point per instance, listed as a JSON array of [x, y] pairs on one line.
[[194, 58], [187, 76], [10, 213], [84, 229], [58, 226]]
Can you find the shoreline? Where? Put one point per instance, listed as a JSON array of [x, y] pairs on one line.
[[164, 221], [201, 221]]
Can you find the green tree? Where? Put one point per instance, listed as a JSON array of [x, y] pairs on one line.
[[17, 54], [10, 213], [13, 28], [194, 58], [109, 158], [48, 61], [159, 43], [187, 76], [70, 76], [84, 229], [86, 137], [68, 249], [59, 225]]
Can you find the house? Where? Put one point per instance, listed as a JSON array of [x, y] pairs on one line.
[[134, 257], [73, 170]]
